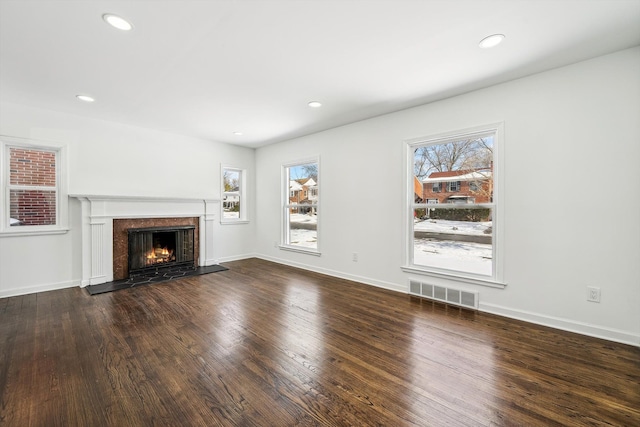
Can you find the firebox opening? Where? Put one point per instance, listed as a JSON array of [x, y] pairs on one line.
[[163, 249], [157, 247]]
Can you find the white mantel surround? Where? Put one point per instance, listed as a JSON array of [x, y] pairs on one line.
[[98, 213]]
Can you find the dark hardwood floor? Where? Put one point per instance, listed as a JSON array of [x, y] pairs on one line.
[[268, 345]]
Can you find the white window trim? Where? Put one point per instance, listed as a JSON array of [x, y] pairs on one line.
[[497, 278], [62, 216], [285, 205], [243, 219]]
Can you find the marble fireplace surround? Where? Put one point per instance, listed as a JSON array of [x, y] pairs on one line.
[[99, 213]]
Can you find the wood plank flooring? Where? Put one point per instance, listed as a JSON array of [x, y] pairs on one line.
[[268, 345]]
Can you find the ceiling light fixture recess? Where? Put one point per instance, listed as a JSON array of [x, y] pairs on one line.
[[491, 41], [117, 22], [314, 104], [85, 98]]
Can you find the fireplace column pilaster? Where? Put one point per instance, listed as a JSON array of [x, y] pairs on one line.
[[207, 223], [96, 251]]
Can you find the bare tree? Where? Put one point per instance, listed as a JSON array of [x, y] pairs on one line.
[[311, 170], [231, 181], [470, 154]]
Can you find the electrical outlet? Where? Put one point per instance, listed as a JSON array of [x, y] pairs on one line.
[[593, 294], [355, 257], [275, 244]]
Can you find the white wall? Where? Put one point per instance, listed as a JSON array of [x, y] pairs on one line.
[[572, 152], [105, 158]]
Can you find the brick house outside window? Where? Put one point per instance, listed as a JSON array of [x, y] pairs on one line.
[[462, 186], [32, 183]]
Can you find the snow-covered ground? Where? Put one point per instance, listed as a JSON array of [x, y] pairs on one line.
[[303, 238], [303, 218], [446, 226], [454, 255], [228, 215], [462, 256]]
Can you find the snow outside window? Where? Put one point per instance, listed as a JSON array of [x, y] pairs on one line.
[[300, 206], [454, 233]]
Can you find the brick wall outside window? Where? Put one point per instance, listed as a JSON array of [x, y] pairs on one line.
[[32, 168]]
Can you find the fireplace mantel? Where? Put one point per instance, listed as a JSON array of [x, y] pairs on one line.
[[98, 213]]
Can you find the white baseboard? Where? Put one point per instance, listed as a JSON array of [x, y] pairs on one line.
[[38, 288], [236, 258], [563, 324], [338, 274]]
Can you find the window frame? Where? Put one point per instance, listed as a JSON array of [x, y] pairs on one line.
[[61, 223], [496, 279], [242, 190], [286, 205]]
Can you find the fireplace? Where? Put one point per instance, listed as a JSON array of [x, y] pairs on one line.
[[122, 241], [152, 248], [106, 219]]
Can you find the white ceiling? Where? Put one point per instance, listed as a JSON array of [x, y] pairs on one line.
[[210, 68]]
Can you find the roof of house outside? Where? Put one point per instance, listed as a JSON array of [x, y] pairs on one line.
[[307, 182], [417, 186], [461, 175]]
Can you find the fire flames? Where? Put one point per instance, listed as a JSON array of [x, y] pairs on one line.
[[160, 255]]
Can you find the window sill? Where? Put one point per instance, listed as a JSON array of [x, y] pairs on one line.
[[299, 250], [16, 233], [236, 221], [455, 277]]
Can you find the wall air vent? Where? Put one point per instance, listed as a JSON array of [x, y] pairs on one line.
[[468, 299]]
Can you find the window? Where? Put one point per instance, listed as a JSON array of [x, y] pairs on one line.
[[458, 236], [300, 206], [453, 186], [233, 195], [436, 187], [474, 186], [32, 185]]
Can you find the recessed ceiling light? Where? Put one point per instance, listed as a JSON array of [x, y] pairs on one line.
[[314, 104], [237, 133], [85, 98], [491, 41], [117, 22]]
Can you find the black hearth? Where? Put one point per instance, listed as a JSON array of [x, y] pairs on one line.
[[155, 248]]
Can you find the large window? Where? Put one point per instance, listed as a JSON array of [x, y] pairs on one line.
[[454, 231], [301, 191], [233, 195], [32, 183]]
